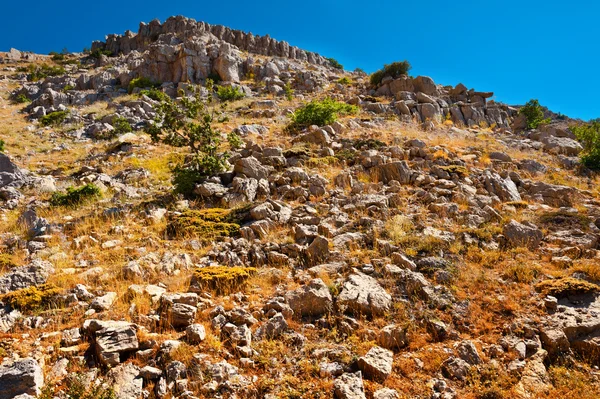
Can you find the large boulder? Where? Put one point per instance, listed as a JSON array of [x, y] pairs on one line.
[[522, 235], [23, 377], [314, 299], [363, 294], [10, 174], [377, 363], [35, 273], [112, 339], [505, 189], [227, 64], [398, 171], [552, 194], [252, 168], [349, 386]]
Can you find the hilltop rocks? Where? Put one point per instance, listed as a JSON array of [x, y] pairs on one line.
[[363, 294], [23, 377]]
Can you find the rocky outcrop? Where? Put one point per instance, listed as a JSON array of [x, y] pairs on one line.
[[182, 29]]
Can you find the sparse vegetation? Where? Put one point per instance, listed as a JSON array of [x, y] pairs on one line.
[[76, 196], [393, 70], [155, 94], [2, 144], [41, 71]]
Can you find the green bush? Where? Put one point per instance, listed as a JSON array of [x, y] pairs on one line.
[[393, 70], [2, 144], [75, 196], [21, 99], [320, 113], [121, 126], [54, 118], [334, 63], [142, 83], [155, 94], [229, 93], [67, 88], [98, 52], [344, 81], [534, 113], [589, 136]]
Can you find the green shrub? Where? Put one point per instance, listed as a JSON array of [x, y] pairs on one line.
[[334, 63], [67, 88], [75, 196], [222, 279], [320, 113], [54, 118], [21, 99], [121, 126], [345, 81], [589, 136], [98, 52], [534, 113], [142, 83], [155, 94], [393, 70], [229, 93], [2, 144]]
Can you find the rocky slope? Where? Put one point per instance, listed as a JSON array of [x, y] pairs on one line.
[[429, 247]]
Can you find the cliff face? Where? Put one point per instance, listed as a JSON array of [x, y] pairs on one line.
[[180, 29]]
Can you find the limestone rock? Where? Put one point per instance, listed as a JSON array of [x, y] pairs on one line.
[[314, 299], [363, 294], [377, 363], [21, 377], [349, 386]]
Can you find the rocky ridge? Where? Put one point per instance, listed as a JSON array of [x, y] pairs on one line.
[[429, 247]]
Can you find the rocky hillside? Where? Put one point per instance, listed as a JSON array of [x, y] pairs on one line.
[[427, 242]]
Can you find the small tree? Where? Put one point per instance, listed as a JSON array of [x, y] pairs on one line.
[[589, 136], [188, 122], [334, 63], [534, 113], [393, 70]]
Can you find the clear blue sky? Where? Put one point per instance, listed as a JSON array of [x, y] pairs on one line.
[[523, 49]]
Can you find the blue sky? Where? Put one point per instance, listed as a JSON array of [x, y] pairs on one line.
[[520, 50]]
